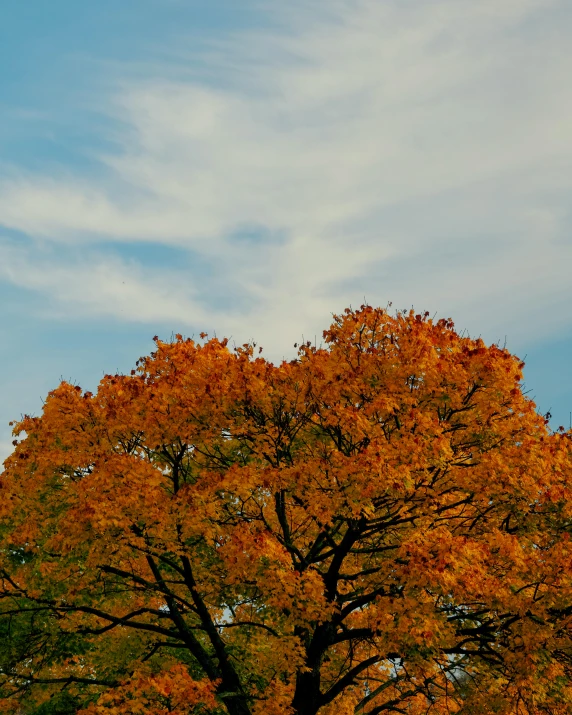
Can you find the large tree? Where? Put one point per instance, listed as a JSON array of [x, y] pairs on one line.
[[380, 525]]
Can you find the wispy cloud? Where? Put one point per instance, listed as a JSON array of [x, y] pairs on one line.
[[101, 286], [414, 152]]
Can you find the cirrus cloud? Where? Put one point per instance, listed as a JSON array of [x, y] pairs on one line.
[[406, 151]]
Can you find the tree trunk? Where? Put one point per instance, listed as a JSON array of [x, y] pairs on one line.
[[307, 694]]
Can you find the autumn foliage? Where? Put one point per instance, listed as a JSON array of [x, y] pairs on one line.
[[380, 525]]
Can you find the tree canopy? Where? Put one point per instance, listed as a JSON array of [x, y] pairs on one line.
[[380, 525]]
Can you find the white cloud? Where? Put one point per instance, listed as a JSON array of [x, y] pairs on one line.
[[102, 286], [407, 151]]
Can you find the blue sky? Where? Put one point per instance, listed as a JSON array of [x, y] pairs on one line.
[[248, 168]]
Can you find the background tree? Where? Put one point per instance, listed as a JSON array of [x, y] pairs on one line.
[[378, 526]]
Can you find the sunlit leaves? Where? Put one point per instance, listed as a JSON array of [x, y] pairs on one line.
[[381, 524]]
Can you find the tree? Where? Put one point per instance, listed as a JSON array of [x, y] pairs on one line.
[[380, 525]]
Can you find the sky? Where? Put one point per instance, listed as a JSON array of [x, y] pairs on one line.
[[247, 168]]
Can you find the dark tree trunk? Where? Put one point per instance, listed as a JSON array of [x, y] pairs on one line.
[[307, 694]]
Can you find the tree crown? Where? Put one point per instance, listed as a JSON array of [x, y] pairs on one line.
[[380, 525]]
